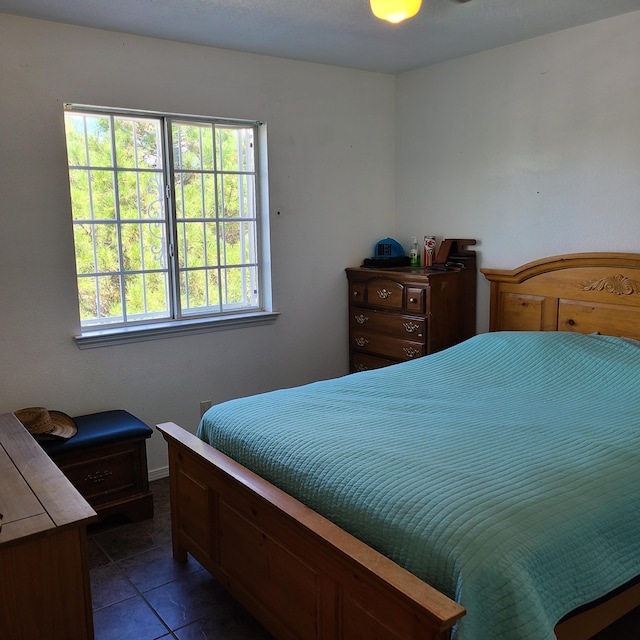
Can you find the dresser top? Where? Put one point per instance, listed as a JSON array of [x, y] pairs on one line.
[[35, 496]]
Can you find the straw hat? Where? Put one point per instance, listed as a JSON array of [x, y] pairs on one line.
[[46, 425]]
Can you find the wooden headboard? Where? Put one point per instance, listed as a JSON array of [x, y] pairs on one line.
[[580, 292]]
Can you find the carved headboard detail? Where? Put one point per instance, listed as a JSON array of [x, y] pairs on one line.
[[618, 284], [581, 292]]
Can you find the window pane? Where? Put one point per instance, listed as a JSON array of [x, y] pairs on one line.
[[137, 143], [213, 283], [200, 291], [80, 194], [85, 256], [132, 247], [235, 286], [154, 244], [106, 247], [182, 244], [157, 289], [211, 234], [239, 242], [192, 146], [235, 198], [102, 195], [143, 247], [98, 129], [203, 194], [134, 287], [235, 148], [189, 195], [110, 297], [100, 299], [140, 195], [209, 196], [146, 296], [230, 243], [194, 289], [194, 245], [247, 242], [240, 287], [88, 299], [76, 141]]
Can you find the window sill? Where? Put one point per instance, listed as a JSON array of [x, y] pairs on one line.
[[122, 335]]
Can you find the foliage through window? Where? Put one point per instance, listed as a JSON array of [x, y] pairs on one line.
[[166, 216]]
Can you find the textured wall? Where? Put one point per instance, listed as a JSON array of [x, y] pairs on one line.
[[331, 151], [532, 148]]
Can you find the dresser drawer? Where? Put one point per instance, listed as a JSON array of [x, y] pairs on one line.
[[385, 294], [365, 362], [400, 326], [383, 345], [415, 300], [105, 473], [357, 292]]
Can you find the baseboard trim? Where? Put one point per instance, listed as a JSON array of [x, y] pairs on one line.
[[157, 474]]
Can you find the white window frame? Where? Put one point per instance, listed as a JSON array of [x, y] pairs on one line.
[[180, 323]]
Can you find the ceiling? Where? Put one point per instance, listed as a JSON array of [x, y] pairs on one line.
[[335, 32]]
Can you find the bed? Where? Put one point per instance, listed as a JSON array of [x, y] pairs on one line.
[[350, 535]]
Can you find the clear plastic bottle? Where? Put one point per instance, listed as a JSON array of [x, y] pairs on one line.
[[415, 253]]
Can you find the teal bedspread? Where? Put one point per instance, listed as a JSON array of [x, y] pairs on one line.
[[504, 471]]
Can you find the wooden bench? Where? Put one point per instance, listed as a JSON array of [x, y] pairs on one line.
[[107, 462]]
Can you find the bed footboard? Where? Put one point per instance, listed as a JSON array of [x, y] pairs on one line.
[[300, 575]]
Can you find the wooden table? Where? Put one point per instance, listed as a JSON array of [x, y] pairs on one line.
[[44, 570]]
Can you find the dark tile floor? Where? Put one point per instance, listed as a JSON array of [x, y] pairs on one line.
[[140, 593]]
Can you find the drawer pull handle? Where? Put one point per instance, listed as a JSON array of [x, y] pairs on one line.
[[356, 294], [413, 300], [361, 319], [98, 476], [383, 293], [411, 352], [361, 342], [410, 327], [362, 367]]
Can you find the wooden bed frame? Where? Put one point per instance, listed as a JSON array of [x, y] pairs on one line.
[[305, 578]]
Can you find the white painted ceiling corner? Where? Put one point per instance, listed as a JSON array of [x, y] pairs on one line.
[[335, 32]]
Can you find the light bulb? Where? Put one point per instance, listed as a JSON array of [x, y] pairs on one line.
[[395, 11]]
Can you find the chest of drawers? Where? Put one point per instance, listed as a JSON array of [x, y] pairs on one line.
[[402, 314]]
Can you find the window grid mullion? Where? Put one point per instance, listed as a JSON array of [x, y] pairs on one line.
[[203, 223], [169, 191], [242, 189], [219, 225], [116, 211], [94, 245], [145, 304]]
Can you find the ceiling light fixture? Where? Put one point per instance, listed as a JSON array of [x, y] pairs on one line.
[[395, 10]]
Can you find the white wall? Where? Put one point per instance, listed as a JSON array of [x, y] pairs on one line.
[[331, 141], [533, 148]]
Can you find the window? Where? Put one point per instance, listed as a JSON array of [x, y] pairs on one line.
[[170, 221]]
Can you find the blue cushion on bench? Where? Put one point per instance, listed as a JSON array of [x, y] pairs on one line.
[[96, 429]]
